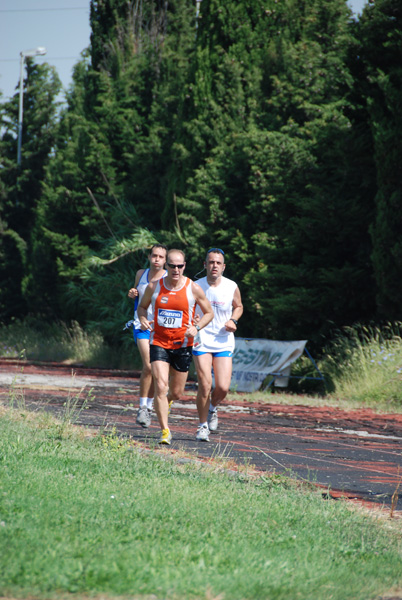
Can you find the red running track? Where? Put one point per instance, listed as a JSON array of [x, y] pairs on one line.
[[354, 453]]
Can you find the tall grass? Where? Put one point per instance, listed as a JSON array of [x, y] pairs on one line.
[[364, 365], [59, 342], [90, 516]]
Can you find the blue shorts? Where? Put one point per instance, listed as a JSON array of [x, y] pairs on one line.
[[141, 334], [227, 353]]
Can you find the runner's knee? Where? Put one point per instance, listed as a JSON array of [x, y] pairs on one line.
[[146, 369], [204, 379], [221, 391], [161, 388]]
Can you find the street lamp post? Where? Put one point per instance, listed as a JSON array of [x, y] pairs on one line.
[[197, 12], [39, 51]]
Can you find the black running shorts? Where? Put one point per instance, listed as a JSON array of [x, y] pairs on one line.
[[179, 358]]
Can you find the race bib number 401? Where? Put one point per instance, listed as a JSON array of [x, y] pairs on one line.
[[170, 318]]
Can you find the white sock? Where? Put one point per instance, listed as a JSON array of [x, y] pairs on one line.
[[150, 403], [204, 424], [212, 408], [143, 402]]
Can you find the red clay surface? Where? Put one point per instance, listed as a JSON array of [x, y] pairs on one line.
[[356, 453]]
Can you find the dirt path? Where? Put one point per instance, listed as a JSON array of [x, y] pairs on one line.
[[357, 454]]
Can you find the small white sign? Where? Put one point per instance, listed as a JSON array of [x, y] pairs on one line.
[[254, 359]]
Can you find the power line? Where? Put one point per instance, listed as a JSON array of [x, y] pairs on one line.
[[24, 10], [46, 60]]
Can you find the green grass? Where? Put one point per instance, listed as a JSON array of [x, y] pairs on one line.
[[93, 516]]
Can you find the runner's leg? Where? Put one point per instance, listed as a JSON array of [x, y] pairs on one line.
[[146, 382], [222, 366], [160, 372], [203, 365], [177, 382]]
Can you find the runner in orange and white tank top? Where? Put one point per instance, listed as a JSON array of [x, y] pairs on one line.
[[173, 313], [172, 333]]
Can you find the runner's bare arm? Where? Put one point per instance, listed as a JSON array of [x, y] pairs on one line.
[[143, 306], [133, 292], [237, 312]]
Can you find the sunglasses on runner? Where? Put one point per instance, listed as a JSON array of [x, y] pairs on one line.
[[174, 266]]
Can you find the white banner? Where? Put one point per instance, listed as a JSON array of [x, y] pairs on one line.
[[254, 359]]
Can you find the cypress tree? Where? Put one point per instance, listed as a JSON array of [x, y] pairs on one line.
[[380, 59]]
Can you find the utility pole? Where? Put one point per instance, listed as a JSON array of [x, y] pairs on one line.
[[40, 50]]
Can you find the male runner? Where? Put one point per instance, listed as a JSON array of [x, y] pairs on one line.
[[216, 343], [157, 258], [173, 300]]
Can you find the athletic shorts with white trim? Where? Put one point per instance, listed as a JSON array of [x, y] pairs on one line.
[[227, 353], [141, 334]]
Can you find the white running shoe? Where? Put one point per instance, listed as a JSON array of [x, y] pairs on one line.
[[144, 417], [213, 420], [203, 433]]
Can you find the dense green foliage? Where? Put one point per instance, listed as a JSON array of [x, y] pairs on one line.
[[269, 128], [20, 188]]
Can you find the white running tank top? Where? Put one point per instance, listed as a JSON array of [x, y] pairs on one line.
[[141, 287], [214, 337]]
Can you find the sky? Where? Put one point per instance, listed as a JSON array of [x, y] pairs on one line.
[[61, 26]]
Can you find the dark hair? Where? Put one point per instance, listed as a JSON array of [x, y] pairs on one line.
[[217, 250], [159, 246]]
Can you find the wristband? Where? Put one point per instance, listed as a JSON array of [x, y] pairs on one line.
[[234, 321]]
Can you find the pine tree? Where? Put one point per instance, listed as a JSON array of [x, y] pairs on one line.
[[106, 185]]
